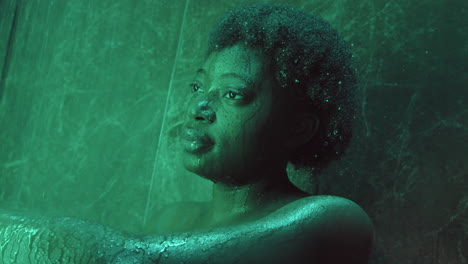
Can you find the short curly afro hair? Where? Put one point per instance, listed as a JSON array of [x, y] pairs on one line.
[[307, 55]]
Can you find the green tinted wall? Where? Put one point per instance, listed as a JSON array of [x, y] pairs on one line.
[[91, 93]]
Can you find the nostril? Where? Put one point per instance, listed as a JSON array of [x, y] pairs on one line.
[[199, 118]]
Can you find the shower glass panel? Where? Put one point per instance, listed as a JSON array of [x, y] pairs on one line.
[[92, 94]]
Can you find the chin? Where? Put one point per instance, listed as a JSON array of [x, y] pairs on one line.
[[197, 166], [195, 163], [207, 165]]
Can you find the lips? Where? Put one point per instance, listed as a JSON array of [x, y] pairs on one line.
[[194, 140]]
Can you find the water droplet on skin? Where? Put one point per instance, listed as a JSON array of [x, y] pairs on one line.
[[199, 162]]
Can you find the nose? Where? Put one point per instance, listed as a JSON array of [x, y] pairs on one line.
[[202, 110]]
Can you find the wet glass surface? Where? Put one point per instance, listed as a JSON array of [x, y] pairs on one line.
[[90, 96]]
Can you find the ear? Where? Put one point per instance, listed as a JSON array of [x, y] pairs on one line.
[[304, 128]]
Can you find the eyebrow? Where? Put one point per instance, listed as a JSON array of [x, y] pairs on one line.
[[230, 74]]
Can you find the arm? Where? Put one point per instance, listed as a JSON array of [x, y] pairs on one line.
[[297, 232], [316, 229], [33, 239]]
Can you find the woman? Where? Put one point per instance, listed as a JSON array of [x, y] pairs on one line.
[[277, 86]]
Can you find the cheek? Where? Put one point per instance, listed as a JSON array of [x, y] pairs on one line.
[[256, 131], [241, 135], [246, 132]]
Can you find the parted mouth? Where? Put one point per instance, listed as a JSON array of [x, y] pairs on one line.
[[195, 140]]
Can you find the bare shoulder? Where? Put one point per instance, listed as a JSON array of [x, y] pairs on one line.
[[341, 229], [332, 206]]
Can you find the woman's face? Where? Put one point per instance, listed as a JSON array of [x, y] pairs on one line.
[[236, 119]]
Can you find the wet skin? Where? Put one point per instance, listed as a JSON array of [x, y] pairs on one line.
[[256, 216], [239, 130]]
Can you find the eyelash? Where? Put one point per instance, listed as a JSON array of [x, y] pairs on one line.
[[195, 87]]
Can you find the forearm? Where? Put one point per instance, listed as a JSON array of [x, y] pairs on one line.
[[32, 240], [37, 240], [237, 244], [285, 236]]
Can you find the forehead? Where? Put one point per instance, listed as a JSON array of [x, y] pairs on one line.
[[240, 60]]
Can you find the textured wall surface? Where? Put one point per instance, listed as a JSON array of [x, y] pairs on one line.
[[91, 93]]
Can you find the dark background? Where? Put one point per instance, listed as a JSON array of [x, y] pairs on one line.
[[90, 92]]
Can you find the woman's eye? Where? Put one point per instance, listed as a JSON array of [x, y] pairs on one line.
[[234, 96], [195, 87]]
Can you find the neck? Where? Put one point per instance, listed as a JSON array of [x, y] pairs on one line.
[[231, 202]]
